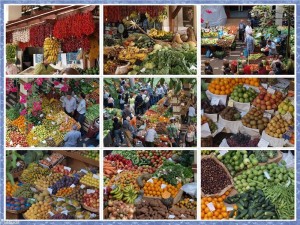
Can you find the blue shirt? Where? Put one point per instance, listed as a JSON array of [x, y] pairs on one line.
[[272, 48], [71, 138], [81, 108]]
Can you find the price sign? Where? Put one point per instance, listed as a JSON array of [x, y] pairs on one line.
[[60, 199], [271, 90], [163, 186], [96, 176], [67, 168], [267, 175], [90, 191], [211, 206], [50, 190], [267, 115], [230, 103], [73, 185], [84, 171], [223, 152], [82, 186], [263, 143], [215, 101]]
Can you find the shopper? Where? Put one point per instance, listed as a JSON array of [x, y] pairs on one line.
[[278, 70], [121, 98], [208, 70], [271, 46], [150, 137], [105, 98], [139, 103], [126, 112], [81, 110], [262, 69], [250, 44], [191, 113], [117, 133], [173, 132], [248, 30], [69, 104], [72, 137], [242, 28], [226, 67], [159, 92], [110, 101], [246, 68], [277, 60], [131, 103], [190, 137]]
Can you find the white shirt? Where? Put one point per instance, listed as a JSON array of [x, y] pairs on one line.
[[150, 135], [248, 30], [160, 91], [81, 108], [192, 111], [69, 105]]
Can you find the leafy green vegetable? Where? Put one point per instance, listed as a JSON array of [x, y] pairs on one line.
[[174, 173], [92, 112], [107, 124]]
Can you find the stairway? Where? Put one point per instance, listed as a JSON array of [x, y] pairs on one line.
[[11, 100]]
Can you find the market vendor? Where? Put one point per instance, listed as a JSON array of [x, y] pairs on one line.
[[173, 131], [242, 28], [43, 68], [81, 109], [72, 137], [150, 137], [69, 104], [271, 46]]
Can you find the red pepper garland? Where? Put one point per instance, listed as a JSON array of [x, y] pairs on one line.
[[73, 44], [39, 33]]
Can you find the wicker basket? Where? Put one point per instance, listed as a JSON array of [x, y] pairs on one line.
[[226, 171], [274, 160], [17, 212], [90, 209], [207, 141]]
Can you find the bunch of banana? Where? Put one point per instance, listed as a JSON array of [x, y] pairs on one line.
[[129, 194], [117, 193], [159, 33], [51, 49]]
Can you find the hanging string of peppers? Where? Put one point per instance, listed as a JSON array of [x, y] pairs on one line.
[[118, 13], [39, 33]]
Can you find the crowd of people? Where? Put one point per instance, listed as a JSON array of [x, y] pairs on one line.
[[134, 104]]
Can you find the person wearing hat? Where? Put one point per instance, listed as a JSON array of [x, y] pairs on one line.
[[81, 109], [72, 137], [173, 132], [43, 68], [69, 104]]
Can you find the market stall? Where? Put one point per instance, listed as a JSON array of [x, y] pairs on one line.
[[145, 185], [247, 185], [272, 40], [45, 40], [52, 185], [168, 116], [36, 115], [247, 112], [155, 40]]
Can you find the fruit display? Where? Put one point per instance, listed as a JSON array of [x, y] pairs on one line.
[[42, 121], [286, 106], [248, 112], [140, 192], [17, 204], [242, 140], [278, 126], [91, 200], [259, 191], [44, 182], [91, 180], [267, 101], [52, 160], [51, 49], [242, 94], [38, 211], [212, 126], [231, 114], [50, 193], [255, 119]]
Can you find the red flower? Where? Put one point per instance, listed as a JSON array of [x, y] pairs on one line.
[[37, 106], [202, 20], [64, 88], [27, 86], [23, 99], [208, 11], [39, 81], [56, 83], [23, 112]]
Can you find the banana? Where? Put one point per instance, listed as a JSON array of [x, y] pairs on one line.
[[117, 189]]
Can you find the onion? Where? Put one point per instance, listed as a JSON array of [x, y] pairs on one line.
[[131, 210], [109, 209]]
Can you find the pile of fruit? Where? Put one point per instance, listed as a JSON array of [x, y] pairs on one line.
[[44, 182], [17, 204], [255, 119], [242, 94], [266, 100], [92, 200], [278, 126], [91, 180], [51, 49], [230, 114], [212, 126], [159, 188], [242, 140]]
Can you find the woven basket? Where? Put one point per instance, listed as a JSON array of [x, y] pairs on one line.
[[90, 209], [226, 171]]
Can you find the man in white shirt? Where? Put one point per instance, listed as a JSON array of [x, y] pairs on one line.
[[81, 109], [191, 113], [69, 104], [271, 46], [150, 137], [159, 92], [248, 30]]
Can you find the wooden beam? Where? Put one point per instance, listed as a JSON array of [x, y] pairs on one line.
[[176, 11]]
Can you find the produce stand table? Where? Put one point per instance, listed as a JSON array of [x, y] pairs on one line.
[[77, 157]]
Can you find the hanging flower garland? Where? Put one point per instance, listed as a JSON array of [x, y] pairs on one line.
[[22, 35]]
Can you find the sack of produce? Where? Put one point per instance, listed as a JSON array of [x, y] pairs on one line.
[[220, 99], [215, 178], [250, 131], [230, 126], [274, 142]]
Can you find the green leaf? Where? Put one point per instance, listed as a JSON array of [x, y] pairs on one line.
[[10, 177]]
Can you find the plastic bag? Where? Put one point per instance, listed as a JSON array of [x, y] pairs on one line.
[[289, 159], [191, 189]]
